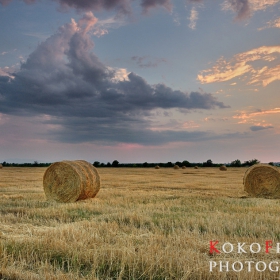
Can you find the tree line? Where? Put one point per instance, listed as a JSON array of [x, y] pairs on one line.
[[116, 163]]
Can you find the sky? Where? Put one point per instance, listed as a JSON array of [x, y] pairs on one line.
[[139, 81]]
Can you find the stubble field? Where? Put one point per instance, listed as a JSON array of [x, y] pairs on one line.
[[143, 224]]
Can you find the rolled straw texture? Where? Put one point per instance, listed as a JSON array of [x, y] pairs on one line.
[[176, 166], [157, 167], [223, 168], [69, 181], [262, 180]]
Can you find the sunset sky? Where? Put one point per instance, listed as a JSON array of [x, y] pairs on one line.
[[142, 80]]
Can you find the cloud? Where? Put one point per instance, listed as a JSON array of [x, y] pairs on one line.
[[245, 115], [272, 24], [121, 6], [259, 127], [86, 100], [244, 9], [240, 7], [258, 5], [147, 62], [102, 26], [5, 2], [257, 117], [246, 63], [150, 4], [193, 18]]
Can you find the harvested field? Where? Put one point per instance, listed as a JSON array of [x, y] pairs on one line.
[[141, 225]]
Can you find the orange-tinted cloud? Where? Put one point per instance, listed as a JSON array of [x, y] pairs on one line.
[[252, 117], [272, 23], [246, 63], [245, 8]]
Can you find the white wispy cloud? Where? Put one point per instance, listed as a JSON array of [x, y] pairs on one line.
[[193, 18]]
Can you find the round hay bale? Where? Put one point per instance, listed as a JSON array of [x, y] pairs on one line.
[[1, 166], [262, 180], [223, 168], [184, 167], [196, 167], [157, 167], [176, 167], [69, 181]]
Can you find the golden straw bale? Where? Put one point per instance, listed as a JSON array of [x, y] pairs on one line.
[[262, 180], [223, 168], [69, 181], [196, 167], [183, 167], [176, 167], [157, 167]]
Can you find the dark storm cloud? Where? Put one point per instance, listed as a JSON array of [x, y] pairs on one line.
[[65, 80], [259, 127], [134, 132]]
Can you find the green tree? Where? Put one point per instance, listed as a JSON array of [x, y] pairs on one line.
[[169, 164], [208, 163], [115, 163], [186, 163], [236, 163], [250, 162], [145, 164]]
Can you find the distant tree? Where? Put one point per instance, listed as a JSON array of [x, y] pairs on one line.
[[108, 164], [178, 163], [102, 164], [271, 163], [236, 163], [250, 162], [186, 163], [115, 163], [4, 163], [35, 163], [145, 164], [96, 163], [169, 164], [208, 163]]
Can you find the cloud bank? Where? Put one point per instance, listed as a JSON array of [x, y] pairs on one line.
[[243, 9], [85, 100]]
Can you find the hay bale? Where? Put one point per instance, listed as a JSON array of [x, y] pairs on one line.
[[1, 166], [262, 180], [196, 167], [69, 181], [176, 166], [157, 167], [184, 167], [223, 168]]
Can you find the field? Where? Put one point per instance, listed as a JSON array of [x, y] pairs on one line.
[[143, 224]]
